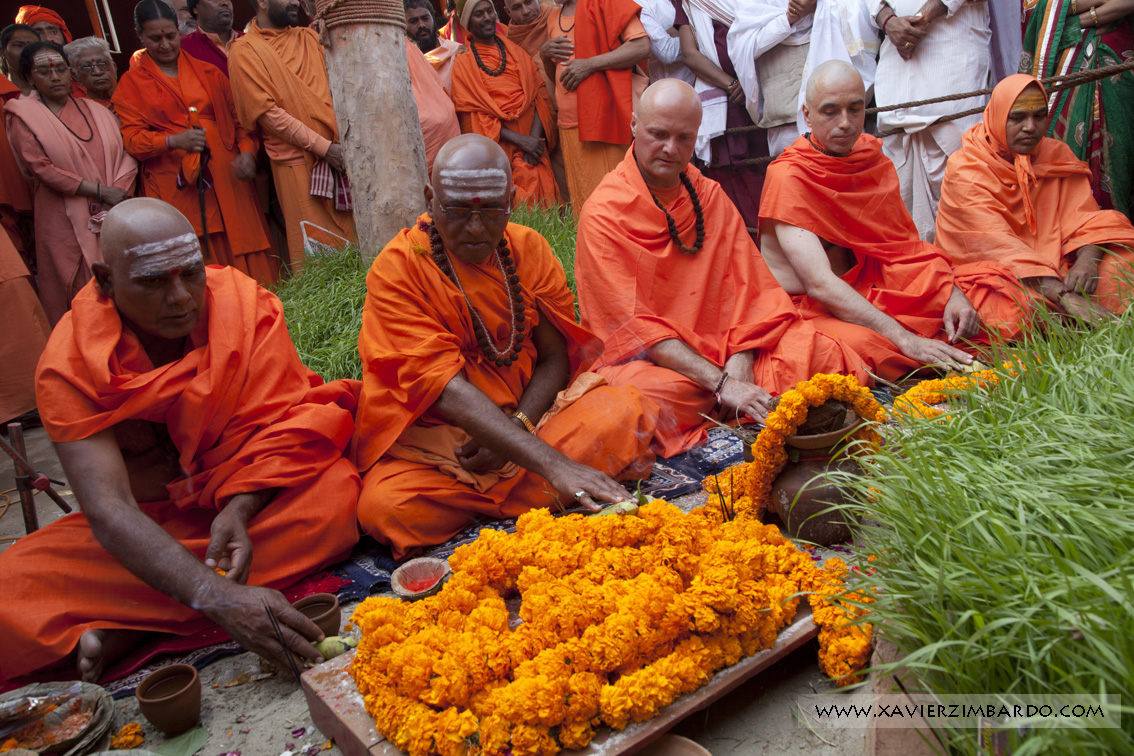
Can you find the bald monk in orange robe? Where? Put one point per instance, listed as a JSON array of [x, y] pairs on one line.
[[596, 46], [196, 444], [279, 85], [474, 402], [1016, 198], [158, 130], [435, 109], [696, 322], [498, 93], [837, 236]]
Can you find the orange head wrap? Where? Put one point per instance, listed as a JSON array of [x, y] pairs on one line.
[[995, 128], [33, 14]]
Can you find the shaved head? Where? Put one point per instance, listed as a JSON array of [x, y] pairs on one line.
[[665, 131], [152, 267], [835, 106], [470, 198]]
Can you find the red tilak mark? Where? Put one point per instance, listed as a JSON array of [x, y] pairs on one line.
[[175, 272], [476, 200]]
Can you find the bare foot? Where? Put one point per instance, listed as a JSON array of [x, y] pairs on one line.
[[98, 648]]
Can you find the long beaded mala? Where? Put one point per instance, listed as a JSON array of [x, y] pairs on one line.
[[697, 211], [510, 353], [503, 57]]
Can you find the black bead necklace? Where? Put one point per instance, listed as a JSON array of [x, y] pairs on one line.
[[511, 352], [503, 57], [697, 211], [90, 128], [825, 152]]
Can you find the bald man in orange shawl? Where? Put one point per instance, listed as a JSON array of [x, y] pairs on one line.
[[197, 444], [695, 322], [498, 93], [591, 60], [435, 109], [1015, 198], [153, 109], [279, 85], [838, 238], [474, 400]]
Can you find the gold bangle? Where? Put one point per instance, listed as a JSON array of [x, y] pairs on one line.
[[1094, 17], [1074, 7], [524, 419]]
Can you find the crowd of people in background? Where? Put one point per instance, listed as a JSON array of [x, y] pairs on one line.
[[236, 127]]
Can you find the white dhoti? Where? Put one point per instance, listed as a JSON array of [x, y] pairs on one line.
[[920, 159]]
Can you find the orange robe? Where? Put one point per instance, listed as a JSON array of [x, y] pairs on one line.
[[434, 106], [244, 415], [486, 104], [531, 38], [854, 202], [441, 58], [284, 70], [15, 190], [417, 335], [153, 107], [57, 161], [636, 288], [1028, 213]]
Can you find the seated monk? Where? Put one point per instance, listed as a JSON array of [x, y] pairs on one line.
[[672, 283], [838, 238], [207, 460], [1016, 198], [473, 398]]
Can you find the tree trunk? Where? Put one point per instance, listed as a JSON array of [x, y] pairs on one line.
[[379, 129]]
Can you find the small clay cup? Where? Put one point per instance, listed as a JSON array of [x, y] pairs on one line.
[[323, 610], [170, 698], [419, 578]]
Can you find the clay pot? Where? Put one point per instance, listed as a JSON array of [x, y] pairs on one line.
[[804, 501], [170, 698], [323, 610], [419, 578]]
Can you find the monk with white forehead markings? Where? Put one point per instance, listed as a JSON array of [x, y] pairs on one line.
[[207, 460], [474, 403]]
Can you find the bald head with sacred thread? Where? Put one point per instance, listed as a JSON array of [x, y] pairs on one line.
[[152, 268], [470, 197], [835, 106], [665, 126]]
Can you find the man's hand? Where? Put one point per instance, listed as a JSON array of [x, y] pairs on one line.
[[933, 352], [1083, 278], [746, 398], [1087, 310], [572, 478], [190, 140], [479, 459], [797, 9], [230, 547], [335, 157], [240, 610], [575, 73], [961, 319], [532, 147], [112, 195], [557, 49], [906, 32], [244, 166]]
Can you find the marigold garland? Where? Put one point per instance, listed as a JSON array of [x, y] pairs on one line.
[[619, 617], [918, 401]]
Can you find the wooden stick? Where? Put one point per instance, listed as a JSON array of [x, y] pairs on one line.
[[283, 643]]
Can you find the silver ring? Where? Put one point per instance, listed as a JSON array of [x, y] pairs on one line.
[[579, 494]]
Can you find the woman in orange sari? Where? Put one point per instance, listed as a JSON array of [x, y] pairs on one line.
[[178, 120]]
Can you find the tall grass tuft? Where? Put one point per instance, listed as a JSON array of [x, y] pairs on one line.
[[1006, 546], [323, 306]]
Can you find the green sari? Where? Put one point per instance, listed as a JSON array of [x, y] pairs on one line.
[[1095, 119]]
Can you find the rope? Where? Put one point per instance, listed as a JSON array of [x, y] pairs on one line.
[[1053, 84], [332, 13]]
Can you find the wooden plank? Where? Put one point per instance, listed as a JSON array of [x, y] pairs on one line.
[[337, 709]]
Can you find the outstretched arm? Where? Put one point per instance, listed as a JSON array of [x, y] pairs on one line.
[[102, 485], [804, 251], [737, 392], [498, 438]]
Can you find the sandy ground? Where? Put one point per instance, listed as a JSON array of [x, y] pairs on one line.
[[270, 717]]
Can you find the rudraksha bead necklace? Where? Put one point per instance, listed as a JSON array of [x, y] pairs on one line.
[[697, 211], [503, 57]]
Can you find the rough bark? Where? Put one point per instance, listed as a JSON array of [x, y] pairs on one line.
[[379, 130]]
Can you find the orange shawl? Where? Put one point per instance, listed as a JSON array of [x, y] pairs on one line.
[[15, 191], [284, 68], [1029, 212], [434, 108], [854, 201], [153, 107], [532, 36], [605, 97], [417, 333], [637, 289], [243, 412]]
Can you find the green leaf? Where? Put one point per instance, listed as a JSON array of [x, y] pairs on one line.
[[185, 744]]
